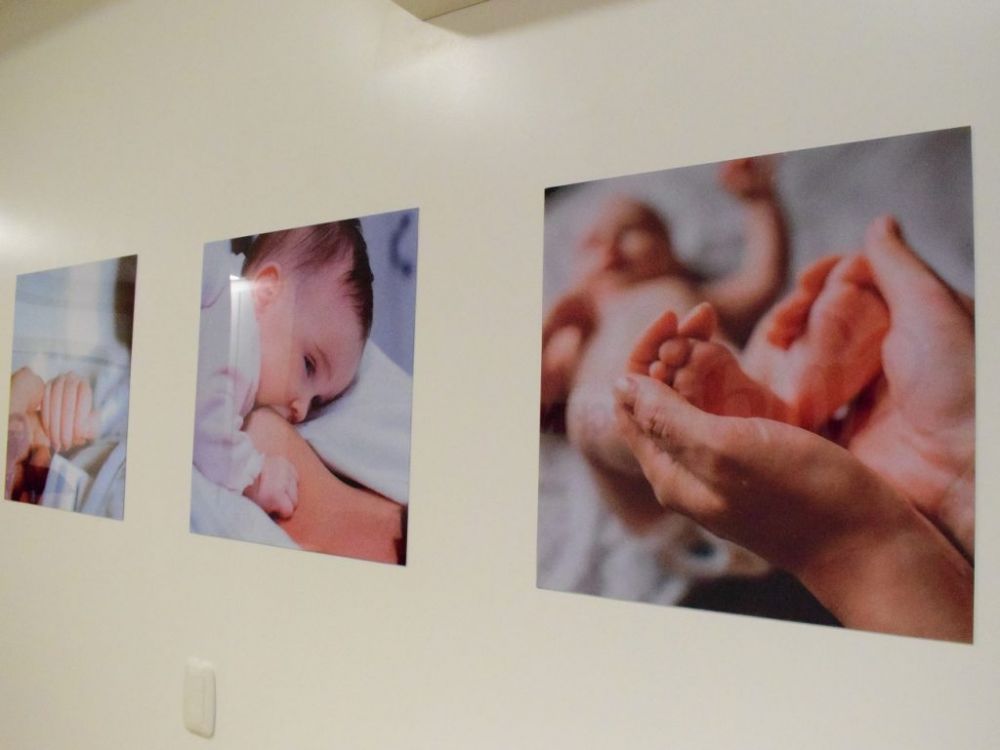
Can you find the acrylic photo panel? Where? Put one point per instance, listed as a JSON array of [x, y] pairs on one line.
[[796, 336], [69, 399], [302, 419]]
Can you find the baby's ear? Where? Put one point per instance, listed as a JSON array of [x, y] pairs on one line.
[[266, 284]]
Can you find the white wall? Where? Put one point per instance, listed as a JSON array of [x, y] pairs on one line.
[[150, 127]]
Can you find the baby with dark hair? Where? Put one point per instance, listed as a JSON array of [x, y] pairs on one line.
[[287, 334]]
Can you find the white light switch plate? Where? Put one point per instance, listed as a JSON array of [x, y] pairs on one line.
[[431, 8], [199, 697]]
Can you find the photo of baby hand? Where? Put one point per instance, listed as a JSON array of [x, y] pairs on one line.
[[69, 390]]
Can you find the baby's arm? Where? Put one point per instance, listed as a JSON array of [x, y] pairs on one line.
[[743, 296], [331, 516], [226, 455], [222, 451], [564, 335]]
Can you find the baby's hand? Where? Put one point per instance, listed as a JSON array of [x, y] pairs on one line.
[[748, 179], [276, 489], [67, 414]]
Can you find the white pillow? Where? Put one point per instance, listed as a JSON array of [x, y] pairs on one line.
[[365, 434]]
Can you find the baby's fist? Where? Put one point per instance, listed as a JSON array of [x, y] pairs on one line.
[[67, 413], [748, 179], [276, 489]]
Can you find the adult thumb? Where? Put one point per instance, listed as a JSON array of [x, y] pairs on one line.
[[908, 284], [662, 413]]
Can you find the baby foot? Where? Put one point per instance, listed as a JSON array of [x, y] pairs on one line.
[[748, 179], [704, 371], [824, 340]]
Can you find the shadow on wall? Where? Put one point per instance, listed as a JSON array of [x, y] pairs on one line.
[[23, 20], [502, 16]]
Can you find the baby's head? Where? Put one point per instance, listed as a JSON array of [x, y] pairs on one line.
[[312, 295], [629, 239]]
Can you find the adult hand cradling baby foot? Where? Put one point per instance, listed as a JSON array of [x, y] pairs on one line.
[[918, 428], [850, 524]]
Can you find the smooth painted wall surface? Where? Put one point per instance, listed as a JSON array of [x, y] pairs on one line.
[[151, 127]]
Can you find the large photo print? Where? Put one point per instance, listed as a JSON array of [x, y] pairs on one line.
[[757, 387], [69, 388], [302, 424]]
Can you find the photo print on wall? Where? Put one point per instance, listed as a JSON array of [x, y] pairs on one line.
[[727, 346], [302, 422], [69, 387]]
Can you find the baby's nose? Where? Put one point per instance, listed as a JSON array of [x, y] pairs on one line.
[[296, 412]]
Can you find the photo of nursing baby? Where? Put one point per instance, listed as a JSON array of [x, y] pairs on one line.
[[305, 365], [758, 387], [69, 387]]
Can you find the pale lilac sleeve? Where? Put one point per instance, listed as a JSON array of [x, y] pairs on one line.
[[228, 368], [222, 451]]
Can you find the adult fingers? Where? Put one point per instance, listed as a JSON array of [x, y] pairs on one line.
[[723, 453], [663, 414], [905, 281], [83, 422], [646, 349], [52, 412], [674, 485], [26, 391], [18, 439], [71, 397]]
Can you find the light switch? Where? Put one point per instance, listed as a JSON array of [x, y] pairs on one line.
[[199, 697]]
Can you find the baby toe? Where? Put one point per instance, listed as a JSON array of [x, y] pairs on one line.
[[675, 352], [661, 372]]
